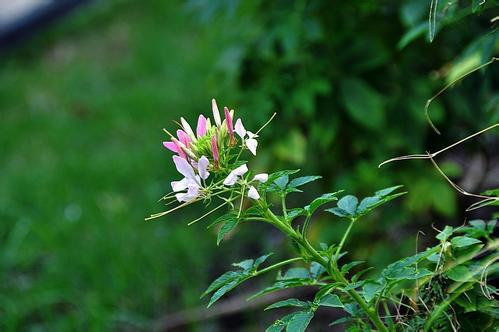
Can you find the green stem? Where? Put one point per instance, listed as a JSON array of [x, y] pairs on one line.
[[331, 269], [344, 238], [284, 209], [288, 261]]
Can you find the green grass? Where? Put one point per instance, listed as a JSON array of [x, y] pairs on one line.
[[82, 106]]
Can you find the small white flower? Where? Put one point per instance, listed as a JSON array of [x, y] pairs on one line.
[[203, 164], [191, 181], [262, 177], [231, 179], [253, 193]]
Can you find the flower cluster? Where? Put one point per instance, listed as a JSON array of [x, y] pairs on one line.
[[214, 148]]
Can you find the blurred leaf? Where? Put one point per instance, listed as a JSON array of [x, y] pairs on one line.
[[458, 273], [363, 103], [319, 201], [330, 300], [299, 321], [289, 303]]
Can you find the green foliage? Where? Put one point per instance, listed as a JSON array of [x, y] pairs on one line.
[[349, 207]]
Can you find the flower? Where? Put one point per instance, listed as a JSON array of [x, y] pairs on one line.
[[251, 142], [262, 177], [253, 193], [191, 180], [231, 179], [214, 149]]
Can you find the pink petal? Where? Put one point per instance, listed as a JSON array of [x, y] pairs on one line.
[[201, 128], [171, 146], [180, 185], [183, 137]]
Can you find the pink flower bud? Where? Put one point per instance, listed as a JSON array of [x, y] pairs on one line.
[[183, 137], [171, 146], [202, 126], [214, 149], [228, 121]]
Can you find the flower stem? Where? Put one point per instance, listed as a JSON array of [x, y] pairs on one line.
[[343, 239], [331, 269]]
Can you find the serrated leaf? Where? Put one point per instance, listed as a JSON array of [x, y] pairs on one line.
[[299, 321], [303, 180], [228, 226], [444, 235], [222, 280], [289, 303], [283, 284], [324, 199], [348, 204], [331, 300], [463, 241]]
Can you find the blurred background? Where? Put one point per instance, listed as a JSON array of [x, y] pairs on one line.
[[87, 86]]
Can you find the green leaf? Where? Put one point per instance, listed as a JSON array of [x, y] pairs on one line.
[[371, 290], [222, 280], [363, 103], [224, 290], [354, 285], [222, 219], [282, 181], [331, 300], [338, 212], [246, 265], [280, 324], [387, 191], [260, 260], [289, 303], [463, 241], [303, 180], [296, 272], [324, 199], [316, 270], [348, 204], [444, 235], [229, 225], [341, 321], [345, 268], [299, 321], [459, 273], [296, 212]]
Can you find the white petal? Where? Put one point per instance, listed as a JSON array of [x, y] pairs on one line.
[[188, 129], [262, 177], [253, 193], [251, 135], [239, 128], [203, 164], [231, 179], [216, 113], [241, 170], [251, 143], [180, 185], [183, 167]]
